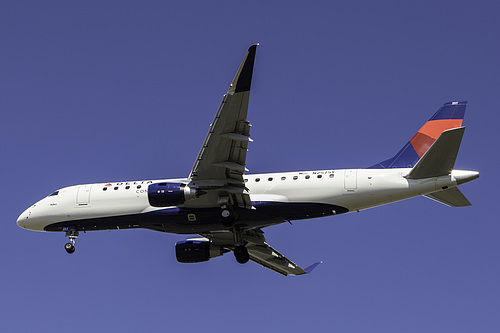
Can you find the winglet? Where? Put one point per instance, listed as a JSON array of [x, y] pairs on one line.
[[243, 78], [313, 266]]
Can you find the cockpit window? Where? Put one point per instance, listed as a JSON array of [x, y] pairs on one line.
[[54, 194]]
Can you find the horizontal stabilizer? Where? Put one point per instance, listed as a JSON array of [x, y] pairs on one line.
[[451, 197], [440, 158]]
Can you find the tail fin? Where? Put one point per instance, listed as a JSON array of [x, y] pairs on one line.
[[450, 115]]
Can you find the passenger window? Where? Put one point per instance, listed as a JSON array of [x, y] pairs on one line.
[[257, 180], [270, 179], [307, 177], [246, 180], [116, 188], [283, 178], [127, 187], [295, 177], [139, 186], [319, 176], [331, 175], [104, 188]]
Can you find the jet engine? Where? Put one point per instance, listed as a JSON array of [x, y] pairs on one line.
[[169, 194], [196, 250]]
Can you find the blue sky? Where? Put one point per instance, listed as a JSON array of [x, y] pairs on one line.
[[100, 91]]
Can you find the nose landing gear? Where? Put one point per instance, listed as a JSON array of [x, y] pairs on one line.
[[70, 246]]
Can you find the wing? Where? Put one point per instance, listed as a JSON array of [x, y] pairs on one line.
[[259, 251], [222, 158]]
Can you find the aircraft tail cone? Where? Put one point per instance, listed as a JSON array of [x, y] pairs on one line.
[[462, 176]]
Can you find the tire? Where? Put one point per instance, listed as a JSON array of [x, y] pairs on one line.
[[241, 254], [227, 217], [69, 247]]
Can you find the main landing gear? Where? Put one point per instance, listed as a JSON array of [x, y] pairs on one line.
[[227, 216], [240, 251], [241, 254], [70, 246]]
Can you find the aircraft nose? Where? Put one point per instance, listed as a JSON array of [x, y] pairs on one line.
[[22, 220]]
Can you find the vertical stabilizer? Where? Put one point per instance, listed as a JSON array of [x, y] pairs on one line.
[[449, 116]]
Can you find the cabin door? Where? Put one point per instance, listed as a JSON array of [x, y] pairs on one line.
[[83, 196], [351, 180]]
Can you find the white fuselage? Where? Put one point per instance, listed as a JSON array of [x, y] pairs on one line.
[[352, 189]]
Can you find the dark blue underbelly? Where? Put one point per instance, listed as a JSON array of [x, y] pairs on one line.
[[200, 220]]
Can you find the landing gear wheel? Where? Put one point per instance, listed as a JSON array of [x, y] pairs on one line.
[[69, 247], [227, 217], [241, 254], [72, 234]]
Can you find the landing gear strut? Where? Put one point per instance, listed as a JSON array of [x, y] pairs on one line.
[[70, 246]]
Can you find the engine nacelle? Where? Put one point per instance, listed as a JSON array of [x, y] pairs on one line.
[[196, 250], [169, 194]]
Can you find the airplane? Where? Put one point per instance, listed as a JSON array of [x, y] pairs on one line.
[[228, 207]]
